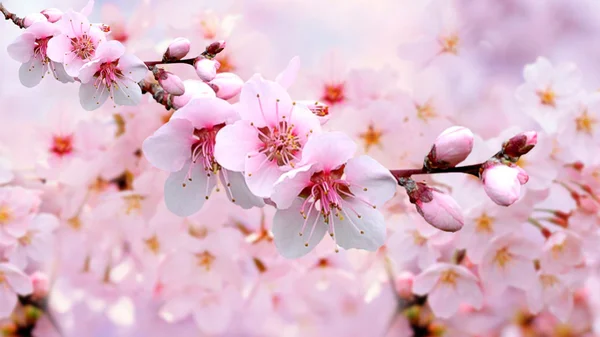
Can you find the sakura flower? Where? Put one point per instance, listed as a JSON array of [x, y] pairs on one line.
[[334, 193], [16, 206], [76, 44], [30, 48], [13, 282], [36, 243], [508, 261], [111, 73], [562, 251], [549, 91], [581, 131], [551, 291], [268, 139], [185, 146], [447, 286]]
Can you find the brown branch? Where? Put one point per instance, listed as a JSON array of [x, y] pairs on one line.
[[469, 169], [158, 93], [20, 22]]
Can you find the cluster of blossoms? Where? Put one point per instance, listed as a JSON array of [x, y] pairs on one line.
[[200, 206]]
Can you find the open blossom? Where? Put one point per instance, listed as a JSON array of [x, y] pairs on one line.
[[76, 44], [16, 207], [552, 291], [12, 282], [269, 138], [331, 192], [111, 73], [36, 243], [562, 252], [549, 91], [30, 48], [185, 146], [447, 286]]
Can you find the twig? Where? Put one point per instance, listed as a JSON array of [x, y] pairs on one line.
[[20, 22]]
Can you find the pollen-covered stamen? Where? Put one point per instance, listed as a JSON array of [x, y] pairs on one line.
[[203, 153], [83, 46], [280, 143], [111, 78], [39, 51]]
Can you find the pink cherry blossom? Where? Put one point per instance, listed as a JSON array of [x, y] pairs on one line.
[[502, 183], [185, 146], [111, 73], [332, 192], [76, 44], [30, 48], [562, 251], [268, 139], [12, 282], [16, 207], [36, 243], [446, 287]]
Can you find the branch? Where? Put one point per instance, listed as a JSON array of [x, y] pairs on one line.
[[158, 93], [155, 63], [20, 22], [469, 169]]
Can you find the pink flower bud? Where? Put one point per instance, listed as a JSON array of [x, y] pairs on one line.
[[206, 68], [404, 283], [193, 89], [227, 85], [450, 148], [438, 209], [171, 83], [33, 18], [178, 49], [502, 183], [41, 284], [520, 144], [52, 14], [216, 47]]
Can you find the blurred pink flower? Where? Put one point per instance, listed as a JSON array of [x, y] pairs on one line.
[[13, 282]]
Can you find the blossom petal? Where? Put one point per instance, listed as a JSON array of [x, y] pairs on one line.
[[87, 71], [234, 143], [349, 226], [132, 67], [177, 308], [328, 150], [287, 77], [127, 92], [170, 146], [32, 72], [365, 173], [8, 302], [289, 185], [187, 200], [240, 193], [261, 175], [109, 51], [443, 301], [92, 97], [206, 112], [288, 223], [58, 47], [21, 49], [263, 102]]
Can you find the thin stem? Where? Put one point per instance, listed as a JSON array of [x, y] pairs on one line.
[[20, 22], [189, 61], [469, 169]]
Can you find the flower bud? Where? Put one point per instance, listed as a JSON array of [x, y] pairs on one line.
[[33, 18], [450, 148], [170, 82], [215, 47], [404, 283], [177, 50], [193, 89], [502, 183], [52, 14], [438, 209], [227, 85], [41, 284], [520, 144], [206, 68]]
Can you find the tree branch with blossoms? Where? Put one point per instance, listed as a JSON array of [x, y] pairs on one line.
[[259, 146]]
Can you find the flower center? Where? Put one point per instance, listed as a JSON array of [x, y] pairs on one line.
[[153, 244], [83, 46], [333, 93], [548, 280], [371, 137], [484, 224], [39, 51], [503, 257], [281, 144], [133, 203], [62, 145], [425, 111], [450, 43], [205, 259], [5, 214], [547, 97], [203, 149], [108, 75], [226, 65], [449, 277], [418, 239], [327, 193], [585, 123], [25, 240]]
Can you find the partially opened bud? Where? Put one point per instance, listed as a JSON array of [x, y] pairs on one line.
[[227, 85], [52, 14], [502, 183], [215, 47], [177, 50], [437, 208], [206, 68], [193, 89], [170, 82], [450, 148], [520, 144]]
